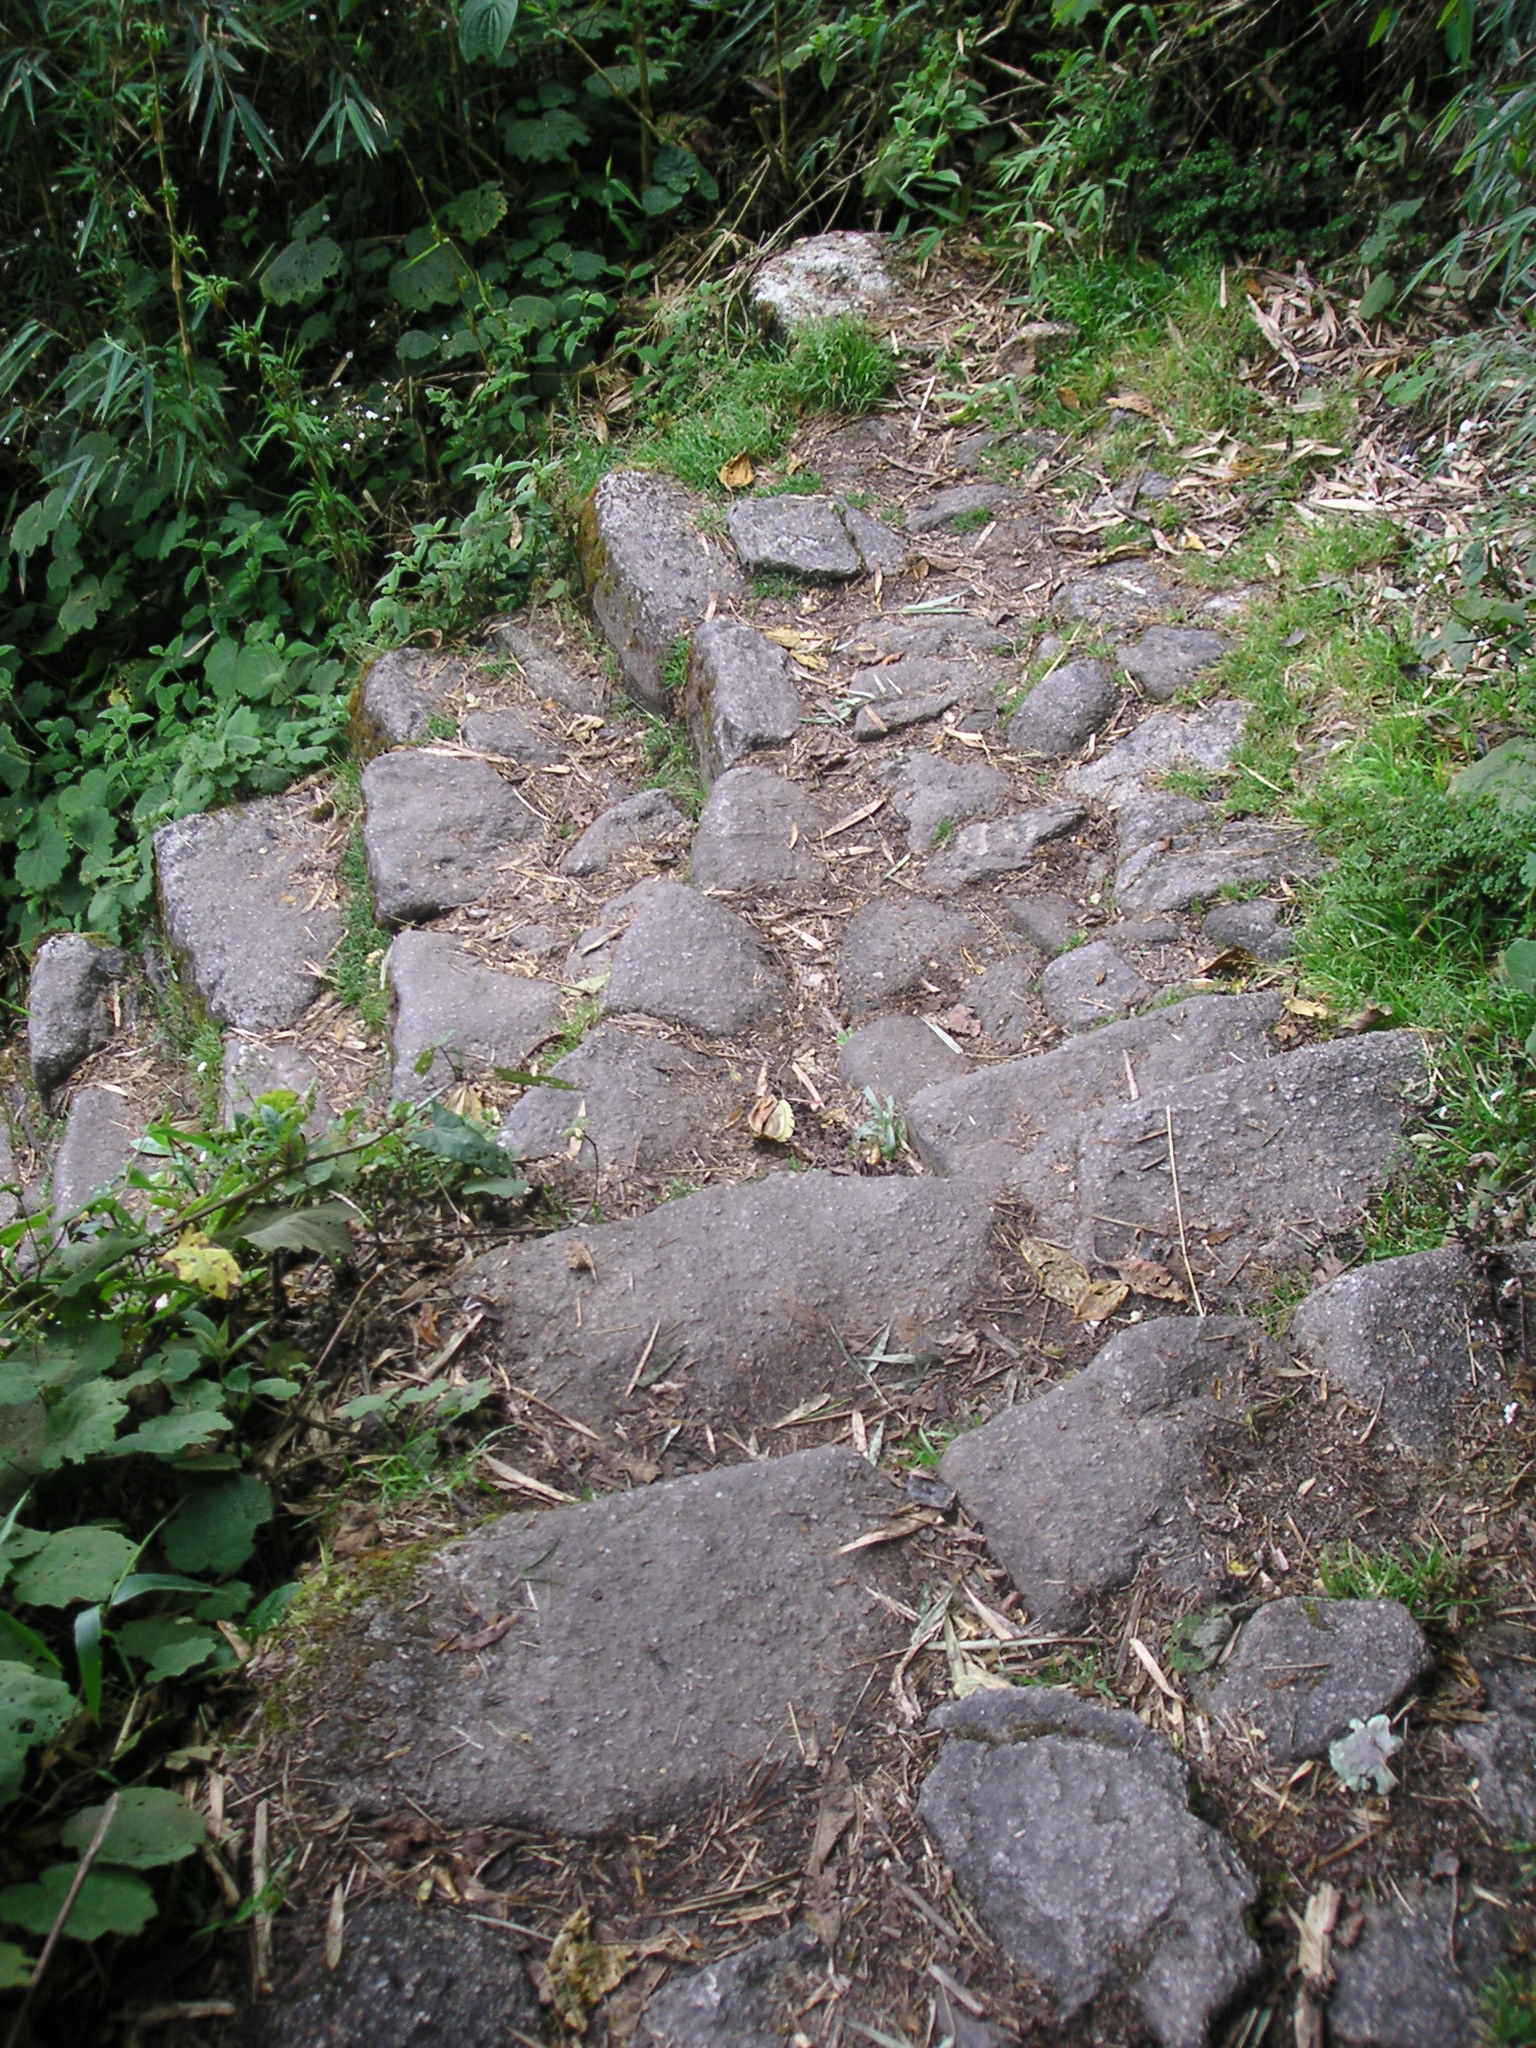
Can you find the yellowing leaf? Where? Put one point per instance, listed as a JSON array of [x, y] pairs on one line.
[[207, 1267], [1304, 1006], [737, 473], [1100, 1298], [1062, 1278], [581, 1972], [1132, 401], [772, 1118], [1069, 398]]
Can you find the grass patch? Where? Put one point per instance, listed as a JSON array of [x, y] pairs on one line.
[[669, 763], [575, 1028], [1428, 1581], [354, 968], [1507, 2003]]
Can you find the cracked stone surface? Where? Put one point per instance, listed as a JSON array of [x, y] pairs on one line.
[[400, 696], [1174, 853], [964, 501], [1206, 739], [757, 831], [447, 1008], [690, 961], [649, 818], [1304, 1668], [1166, 658], [1064, 709], [998, 846], [635, 1104], [930, 793], [896, 1057], [1089, 985], [824, 277], [436, 830], [890, 950], [69, 1005], [741, 695], [96, 1147], [794, 536]]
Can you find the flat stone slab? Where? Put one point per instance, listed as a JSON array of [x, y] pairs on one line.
[[69, 1005], [591, 958], [1067, 1825], [1091, 984], [896, 1057], [450, 1015], [899, 713], [1398, 1988], [964, 501], [1005, 1110], [647, 819], [794, 536], [235, 889], [436, 830], [1272, 1157], [1064, 709], [1049, 922], [650, 573], [748, 1290], [741, 695], [999, 846], [1078, 1488], [757, 831], [690, 961], [1502, 1747], [1256, 927], [748, 2000], [1174, 853], [1402, 1335], [1118, 597], [824, 277], [547, 666], [400, 696], [1167, 658], [1206, 739], [895, 947], [662, 1644], [932, 794], [1005, 1000], [1304, 1669], [512, 736], [95, 1150], [252, 1069], [635, 1104]]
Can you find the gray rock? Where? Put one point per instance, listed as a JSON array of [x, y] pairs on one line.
[[1402, 1334], [1198, 857], [96, 1148], [676, 1637], [749, 2000], [879, 548], [1092, 1479], [252, 1069], [912, 676], [591, 958], [750, 1290], [1228, 604], [650, 573], [512, 736], [824, 277], [998, 846], [1206, 739], [1068, 1826], [1118, 597], [437, 829], [1272, 1158], [741, 695], [400, 696], [408, 1978], [1005, 998], [793, 536], [1090, 984], [1255, 926], [69, 1006], [964, 500], [1048, 922], [547, 667], [895, 1057], [893, 947], [1501, 1745], [1398, 1988], [649, 818], [636, 1105], [235, 888], [952, 633], [929, 792], [447, 1009], [1064, 709], [898, 713], [1005, 1110], [1166, 658], [1304, 1669], [690, 961], [758, 831]]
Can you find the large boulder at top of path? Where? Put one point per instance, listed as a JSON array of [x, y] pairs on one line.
[[437, 829], [750, 1293], [401, 694], [69, 1005], [1067, 1825], [1304, 1669], [824, 277], [248, 902], [617, 1663], [741, 695], [650, 573], [793, 536], [690, 961], [758, 831], [633, 1104], [452, 1015]]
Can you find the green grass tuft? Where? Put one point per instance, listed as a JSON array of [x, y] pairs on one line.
[[1430, 1583], [670, 764], [355, 963]]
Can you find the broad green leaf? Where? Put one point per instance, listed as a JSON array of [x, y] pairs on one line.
[[1378, 296], [164, 1436], [434, 274], [323, 1229], [1517, 966], [543, 141], [42, 861], [87, 600], [34, 1708], [454, 1137], [110, 1902], [15, 1967], [474, 214], [150, 1827], [75, 1564], [1507, 774], [82, 1424], [414, 346], [485, 28], [214, 1529], [298, 272]]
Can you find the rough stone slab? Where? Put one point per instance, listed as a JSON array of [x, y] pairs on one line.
[[1064, 709], [1397, 1987], [1089, 985], [998, 846], [1402, 1333], [897, 714], [1206, 739], [436, 830], [1304, 1668], [891, 948], [682, 1633], [407, 1979], [252, 1069], [512, 736], [1255, 926], [895, 1057], [1118, 597], [547, 667], [69, 1006], [1166, 658], [879, 548], [744, 1286], [945, 507], [400, 696], [1191, 866], [234, 888], [638, 1103], [752, 1999], [824, 277], [591, 958], [1502, 1748], [1049, 922], [952, 633], [920, 676], [690, 961], [1068, 1826], [96, 1147], [1005, 998], [445, 1001], [649, 818], [1272, 1157], [758, 831], [1079, 1487], [741, 695], [929, 792], [650, 574], [1006, 1109], [793, 536]]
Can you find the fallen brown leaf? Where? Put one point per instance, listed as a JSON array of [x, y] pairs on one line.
[[1146, 1276], [737, 473]]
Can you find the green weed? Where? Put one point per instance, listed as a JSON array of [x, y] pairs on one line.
[[355, 965], [580, 1020], [670, 765], [883, 1132], [1507, 2003], [1430, 1583]]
